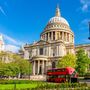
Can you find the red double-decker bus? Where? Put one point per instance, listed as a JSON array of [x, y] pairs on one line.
[[67, 74]]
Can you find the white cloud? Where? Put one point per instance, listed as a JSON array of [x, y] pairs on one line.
[[85, 5], [11, 40], [84, 27], [85, 21], [2, 11], [84, 24], [12, 48], [11, 44]]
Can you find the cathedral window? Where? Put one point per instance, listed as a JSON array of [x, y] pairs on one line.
[[53, 54], [47, 36], [54, 51], [41, 51], [53, 35]]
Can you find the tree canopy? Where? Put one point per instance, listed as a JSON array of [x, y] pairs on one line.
[[67, 61], [15, 67], [82, 62]]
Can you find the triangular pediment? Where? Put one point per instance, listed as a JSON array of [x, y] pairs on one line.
[[40, 42]]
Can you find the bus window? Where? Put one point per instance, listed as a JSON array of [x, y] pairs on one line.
[[53, 76], [73, 74], [61, 76]]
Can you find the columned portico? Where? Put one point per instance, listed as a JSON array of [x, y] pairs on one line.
[[39, 65]]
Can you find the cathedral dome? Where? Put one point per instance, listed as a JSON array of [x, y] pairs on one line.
[[57, 19], [58, 29]]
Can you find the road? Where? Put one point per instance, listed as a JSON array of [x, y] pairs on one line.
[[85, 81]]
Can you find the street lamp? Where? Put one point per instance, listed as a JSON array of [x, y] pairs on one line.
[[89, 30]]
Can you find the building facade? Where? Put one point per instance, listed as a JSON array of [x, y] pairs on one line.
[[56, 40], [85, 47]]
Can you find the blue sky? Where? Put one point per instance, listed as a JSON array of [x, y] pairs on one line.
[[22, 21]]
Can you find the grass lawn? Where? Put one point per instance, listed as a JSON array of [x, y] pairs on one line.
[[27, 84], [18, 86]]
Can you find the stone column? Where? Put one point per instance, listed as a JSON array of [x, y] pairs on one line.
[[38, 66], [62, 35], [59, 35], [48, 50], [73, 39], [55, 35], [69, 37], [34, 68], [45, 67], [45, 36], [66, 37], [42, 67], [57, 51], [51, 35]]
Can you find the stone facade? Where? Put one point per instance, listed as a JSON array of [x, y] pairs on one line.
[[86, 47], [56, 40]]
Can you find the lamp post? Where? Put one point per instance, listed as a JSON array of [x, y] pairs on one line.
[[89, 30]]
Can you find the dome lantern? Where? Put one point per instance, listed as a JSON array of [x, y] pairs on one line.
[[58, 11]]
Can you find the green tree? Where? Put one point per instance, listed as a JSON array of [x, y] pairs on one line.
[[82, 61], [23, 65], [67, 61], [2, 70], [15, 67], [11, 69]]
